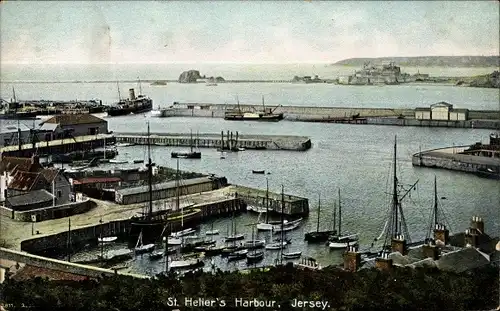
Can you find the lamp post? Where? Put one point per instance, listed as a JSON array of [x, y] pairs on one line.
[[165, 240], [497, 247]]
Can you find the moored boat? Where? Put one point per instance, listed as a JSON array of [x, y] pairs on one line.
[[254, 257], [141, 249], [237, 255], [276, 246], [186, 263], [343, 241], [292, 255], [212, 232], [254, 244], [320, 236], [108, 239], [234, 237], [182, 233]]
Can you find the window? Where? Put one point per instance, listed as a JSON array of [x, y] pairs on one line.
[[59, 193]]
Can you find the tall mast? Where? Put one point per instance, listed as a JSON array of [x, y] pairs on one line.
[[119, 95], [435, 202], [319, 210], [191, 141], [340, 216], [140, 86], [334, 216], [177, 194], [14, 95], [150, 178], [263, 106], [395, 193], [267, 200], [282, 222]]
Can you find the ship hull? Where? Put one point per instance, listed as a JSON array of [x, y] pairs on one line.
[[18, 116], [186, 155], [274, 118]]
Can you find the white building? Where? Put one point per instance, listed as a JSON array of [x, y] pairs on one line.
[[10, 134], [441, 111]]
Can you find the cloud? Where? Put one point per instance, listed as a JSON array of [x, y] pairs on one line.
[[256, 32]]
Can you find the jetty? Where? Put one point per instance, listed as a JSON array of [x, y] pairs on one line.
[[59, 146], [482, 160], [86, 227], [421, 117], [223, 140]]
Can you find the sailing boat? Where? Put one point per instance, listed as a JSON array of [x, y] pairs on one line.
[[149, 223], [319, 236], [141, 248], [254, 256], [282, 242], [187, 155], [266, 226], [339, 241], [212, 231], [182, 232], [234, 236], [396, 230]]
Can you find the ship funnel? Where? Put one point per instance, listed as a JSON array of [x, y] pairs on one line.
[[131, 94]]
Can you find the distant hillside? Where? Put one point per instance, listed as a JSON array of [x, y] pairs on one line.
[[428, 61]]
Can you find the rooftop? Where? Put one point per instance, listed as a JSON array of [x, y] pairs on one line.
[[23, 181], [13, 128], [452, 259], [73, 119], [49, 127], [33, 197], [93, 180], [163, 186], [11, 164]]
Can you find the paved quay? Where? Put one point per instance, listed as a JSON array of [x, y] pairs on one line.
[[14, 232]]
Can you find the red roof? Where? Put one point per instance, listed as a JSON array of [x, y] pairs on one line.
[[94, 180], [30, 272]]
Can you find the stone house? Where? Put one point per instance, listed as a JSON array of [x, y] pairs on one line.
[[72, 125]]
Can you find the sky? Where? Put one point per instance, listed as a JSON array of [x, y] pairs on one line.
[[243, 32]]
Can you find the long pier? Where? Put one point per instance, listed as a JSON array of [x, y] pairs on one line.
[[228, 140], [59, 146], [458, 159], [487, 119]]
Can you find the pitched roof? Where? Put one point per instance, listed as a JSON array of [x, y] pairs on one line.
[[442, 104], [462, 260], [32, 197], [49, 173], [11, 164], [49, 127], [93, 180], [24, 181], [73, 119]]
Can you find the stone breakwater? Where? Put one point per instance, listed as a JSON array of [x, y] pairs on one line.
[[304, 113], [452, 158], [260, 142]]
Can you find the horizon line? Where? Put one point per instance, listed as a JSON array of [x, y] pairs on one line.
[[221, 62]]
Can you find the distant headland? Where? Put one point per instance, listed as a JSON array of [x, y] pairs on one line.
[[428, 61]]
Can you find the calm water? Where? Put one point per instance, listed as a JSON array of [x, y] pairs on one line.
[[355, 159]]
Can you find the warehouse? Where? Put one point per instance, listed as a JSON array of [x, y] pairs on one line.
[[442, 111], [168, 189]]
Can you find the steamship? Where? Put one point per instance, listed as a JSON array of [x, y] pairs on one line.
[[133, 104]]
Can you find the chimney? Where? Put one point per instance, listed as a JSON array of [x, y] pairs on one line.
[[383, 263], [398, 244], [352, 259], [442, 234], [477, 224], [430, 250], [131, 94], [35, 159], [471, 237]]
